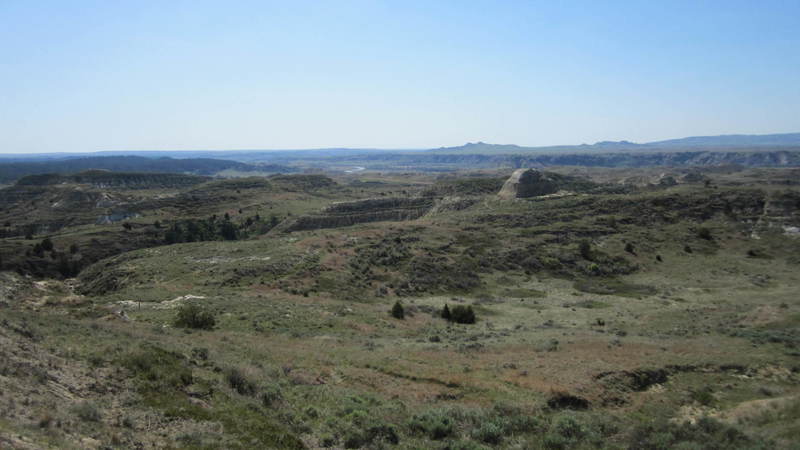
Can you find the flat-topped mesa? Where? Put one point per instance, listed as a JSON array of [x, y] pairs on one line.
[[525, 183]]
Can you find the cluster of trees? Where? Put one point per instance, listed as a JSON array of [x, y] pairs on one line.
[[215, 229], [458, 314], [68, 265]]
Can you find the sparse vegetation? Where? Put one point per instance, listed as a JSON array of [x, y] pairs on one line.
[[585, 318]]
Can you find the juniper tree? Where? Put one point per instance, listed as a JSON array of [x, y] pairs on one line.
[[397, 310]]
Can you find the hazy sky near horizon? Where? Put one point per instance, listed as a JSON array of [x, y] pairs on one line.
[[167, 75]]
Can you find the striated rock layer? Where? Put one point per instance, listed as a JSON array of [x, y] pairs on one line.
[[362, 211]]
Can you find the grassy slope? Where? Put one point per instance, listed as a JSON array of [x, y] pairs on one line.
[[304, 318]]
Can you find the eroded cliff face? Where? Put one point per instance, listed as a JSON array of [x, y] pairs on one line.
[[47, 209], [362, 211], [781, 213], [104, 179]]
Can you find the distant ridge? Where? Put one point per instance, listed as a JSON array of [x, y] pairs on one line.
[[733, 140], [705, 143], [196, 166]]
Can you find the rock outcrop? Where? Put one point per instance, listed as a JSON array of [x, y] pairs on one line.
[[525, 183]]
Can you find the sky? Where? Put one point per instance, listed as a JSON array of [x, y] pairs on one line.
[[81, 76]]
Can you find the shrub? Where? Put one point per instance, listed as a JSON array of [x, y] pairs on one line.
[[629, 248], [158, 369], [707, 433], [490, 432], [703, 396], [565, 432], [397, 310], [239, 382], [271, 396], [87, 412], [200, 353], [462, 314], [434, 424], [704, 233], [193, 316]]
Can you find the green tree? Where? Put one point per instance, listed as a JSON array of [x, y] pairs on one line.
[[65, 268], [398, 312], [191, 315], [585, 249], [228, 231], [47, 245]]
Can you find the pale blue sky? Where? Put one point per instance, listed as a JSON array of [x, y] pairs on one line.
[[124, 75]]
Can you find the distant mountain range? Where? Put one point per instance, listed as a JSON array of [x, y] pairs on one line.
[[737, 142], [733, 140], [746, 150], [706, 143]]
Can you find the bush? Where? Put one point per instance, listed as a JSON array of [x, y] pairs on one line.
[[87, 412], [239, 382], [490, 432], [704, 233], [271, 396], [703, 396], [446, 313], [434, 424], [158, 369], [193, 316], [565, 432], [397, 310], [462, 314], [707, 433]]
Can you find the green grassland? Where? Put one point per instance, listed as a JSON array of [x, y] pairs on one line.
[[608, 316]]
